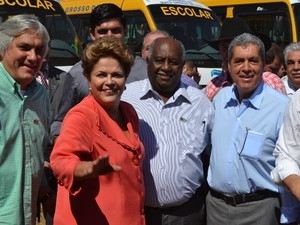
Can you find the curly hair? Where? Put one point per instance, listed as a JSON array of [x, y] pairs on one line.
[[108, 46]]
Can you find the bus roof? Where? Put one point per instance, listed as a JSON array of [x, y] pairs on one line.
[[77, 7], [243, 2], [176, 2]]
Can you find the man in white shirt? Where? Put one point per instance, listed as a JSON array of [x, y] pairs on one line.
[[287, 170], [292, 61], [175, 124]]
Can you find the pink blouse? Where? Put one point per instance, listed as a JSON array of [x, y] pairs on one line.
[[117, 198]]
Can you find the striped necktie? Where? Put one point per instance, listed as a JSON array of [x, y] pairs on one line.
[[42, 79]]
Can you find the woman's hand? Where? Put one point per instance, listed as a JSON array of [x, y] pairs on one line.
[[91, 169]]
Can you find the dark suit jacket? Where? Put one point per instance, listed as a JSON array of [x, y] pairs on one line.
[[56, 79]]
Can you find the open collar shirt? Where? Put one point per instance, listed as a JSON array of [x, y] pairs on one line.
[[24, 127], [288, 157], [288, 144], [290, 89], [243, 139], [174, 135]]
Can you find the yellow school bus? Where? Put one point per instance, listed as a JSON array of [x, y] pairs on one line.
[[65, 47], [278, 19], [187, 20]]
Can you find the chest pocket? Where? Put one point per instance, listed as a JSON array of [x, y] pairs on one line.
[[253, 144]]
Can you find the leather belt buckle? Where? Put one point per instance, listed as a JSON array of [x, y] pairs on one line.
[[230, 199], [243, 198]]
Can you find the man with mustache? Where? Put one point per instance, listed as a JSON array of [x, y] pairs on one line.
[[290, 206], [292, 62]]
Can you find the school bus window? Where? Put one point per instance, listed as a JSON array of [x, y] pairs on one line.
[[65, 49], [191, 31], [296, 9], [82, 25], [274, 26], [272, 19], [137, 28]]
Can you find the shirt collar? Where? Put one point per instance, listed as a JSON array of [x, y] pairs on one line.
[[15, 87], [255, 99], [148, 92]]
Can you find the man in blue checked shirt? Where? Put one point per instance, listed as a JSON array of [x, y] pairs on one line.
[[175, 124]]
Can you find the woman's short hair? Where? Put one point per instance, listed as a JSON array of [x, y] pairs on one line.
[[107, 46]]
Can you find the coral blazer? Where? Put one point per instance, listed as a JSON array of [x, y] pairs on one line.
[[117, 198]]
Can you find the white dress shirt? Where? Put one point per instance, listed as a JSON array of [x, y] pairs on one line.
[[174, 134], [287, 148]]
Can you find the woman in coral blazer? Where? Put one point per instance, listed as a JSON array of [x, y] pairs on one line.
[[97, 157]]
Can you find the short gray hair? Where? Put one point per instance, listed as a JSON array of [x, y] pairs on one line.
[[244, 40], [18, 25], [294, 46]]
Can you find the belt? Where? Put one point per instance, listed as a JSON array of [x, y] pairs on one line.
[[234, 200], [194, 203]]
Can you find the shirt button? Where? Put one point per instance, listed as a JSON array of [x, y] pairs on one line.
[[136, 161], [139, 178]]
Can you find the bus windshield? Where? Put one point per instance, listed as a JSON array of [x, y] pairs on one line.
[[65, 48], [272, 19], [296, 8], [193, 26], [186, 20]]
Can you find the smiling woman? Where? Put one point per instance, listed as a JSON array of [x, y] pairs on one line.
[[107, 77], [105, 152]]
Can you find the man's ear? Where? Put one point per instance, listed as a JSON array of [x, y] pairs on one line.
[[184, 68], [92, 34]]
